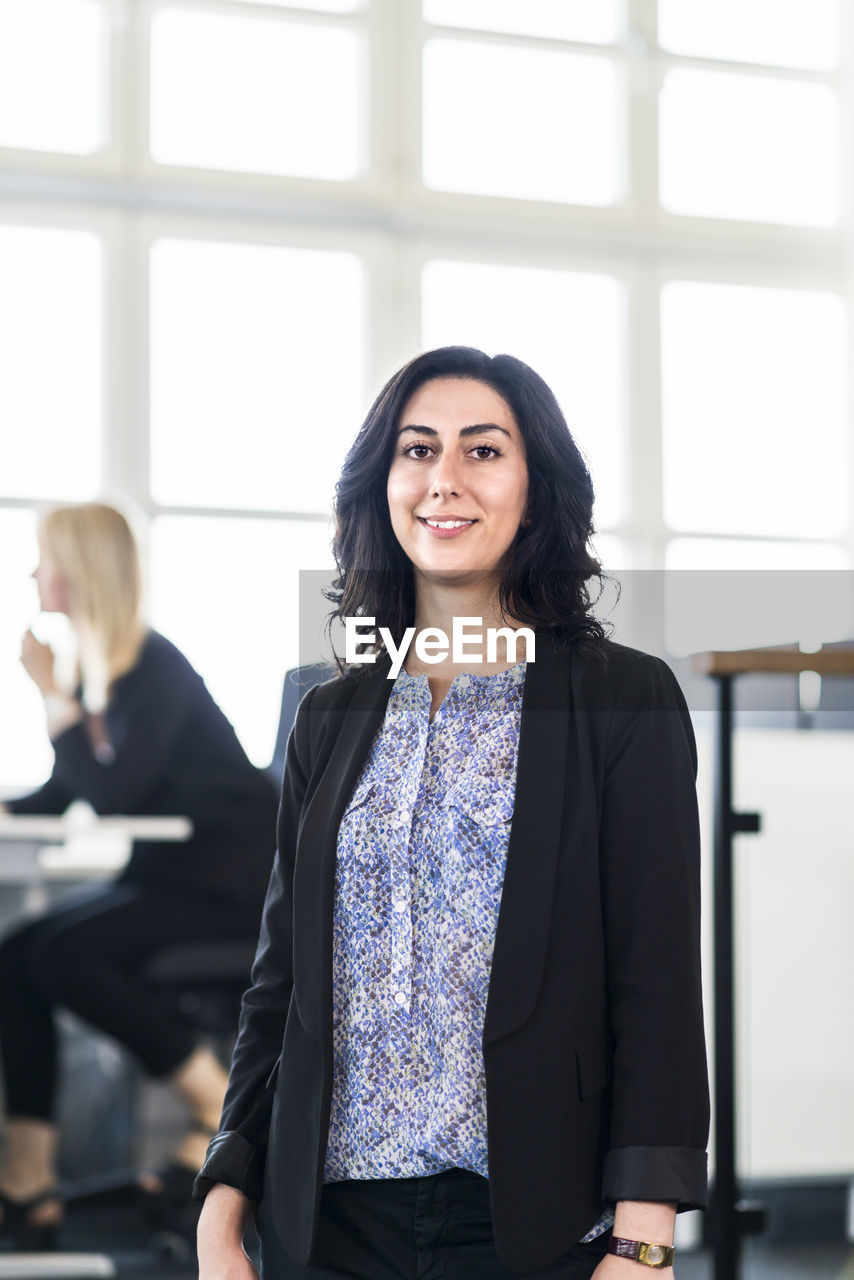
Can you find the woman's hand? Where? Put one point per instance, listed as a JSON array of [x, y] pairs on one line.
[[63, 711], [225, 1214], [38, 662]]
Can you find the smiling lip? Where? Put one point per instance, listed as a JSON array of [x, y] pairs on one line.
[[458, 524]]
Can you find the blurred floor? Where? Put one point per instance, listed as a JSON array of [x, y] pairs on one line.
[[122, 1235], [778, 1262], [792, 1248], [801, 1264]]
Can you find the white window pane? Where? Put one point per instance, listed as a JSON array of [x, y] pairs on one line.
[[52, 75], [732, 594], [614, 554], [226, 592], [590, 20], [329, 6], [256, 374], [526, 123], [25, 754], [51, 344], [754, 555], [754, 404], [567, 326], [256, 95], [797, 33], [750, 147]]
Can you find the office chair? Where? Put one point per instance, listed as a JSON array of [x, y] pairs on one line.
[[208, 979], [295, 686]]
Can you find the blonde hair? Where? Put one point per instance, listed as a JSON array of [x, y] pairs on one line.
[[94, 547]]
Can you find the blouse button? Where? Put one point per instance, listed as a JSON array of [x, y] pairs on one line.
[[400, 904], [399, 997]]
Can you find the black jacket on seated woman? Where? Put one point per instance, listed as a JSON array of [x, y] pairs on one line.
[[137, 732], [170, 750]]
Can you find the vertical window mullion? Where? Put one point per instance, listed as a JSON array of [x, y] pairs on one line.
[[846, 146], [390, 124], [642, 444], [643, 82], [127, 313]]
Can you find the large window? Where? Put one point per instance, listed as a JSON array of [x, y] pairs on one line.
[[52, 333], [53, 84], [244, 412], [256, 95], [224, 222]]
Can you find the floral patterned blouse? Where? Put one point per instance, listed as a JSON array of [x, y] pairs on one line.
[[421, 853]]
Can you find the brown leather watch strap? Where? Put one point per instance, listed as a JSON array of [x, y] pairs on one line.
[[649, 1255], [624, 1248]]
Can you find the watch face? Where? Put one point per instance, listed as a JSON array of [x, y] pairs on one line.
[[655, 1254]]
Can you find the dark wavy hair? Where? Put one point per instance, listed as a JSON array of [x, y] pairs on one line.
[[549, 564]]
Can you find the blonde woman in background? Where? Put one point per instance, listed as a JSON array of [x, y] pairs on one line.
[[134, 732]]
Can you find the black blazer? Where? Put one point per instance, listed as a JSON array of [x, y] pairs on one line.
[[593, 1039], [174, 751]]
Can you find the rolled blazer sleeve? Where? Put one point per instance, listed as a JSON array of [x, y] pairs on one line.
[[650, 868], [237, 1153]]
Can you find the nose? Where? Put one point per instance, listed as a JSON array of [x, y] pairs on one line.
[[446, 480]]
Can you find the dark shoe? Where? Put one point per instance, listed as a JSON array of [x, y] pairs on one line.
[[18, 1227]]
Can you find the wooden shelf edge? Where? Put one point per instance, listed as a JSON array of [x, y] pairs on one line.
[[784, 660]]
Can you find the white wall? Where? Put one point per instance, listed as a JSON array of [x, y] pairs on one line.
[[794, 949]]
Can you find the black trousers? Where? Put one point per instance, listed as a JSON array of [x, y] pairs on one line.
[[433, 1228], [85, 954]]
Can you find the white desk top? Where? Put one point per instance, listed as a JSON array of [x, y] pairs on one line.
[[59, 830], [80, 846], [65, 1266]]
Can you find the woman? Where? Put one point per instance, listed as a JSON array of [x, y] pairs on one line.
[[474, 1039], [138, 733]]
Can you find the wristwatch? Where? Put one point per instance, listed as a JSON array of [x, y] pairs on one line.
[[650, 1255]]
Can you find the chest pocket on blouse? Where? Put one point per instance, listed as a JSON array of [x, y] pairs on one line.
[[476, 813], [482, 801], [374, 799], [365, 788], [369, 822]]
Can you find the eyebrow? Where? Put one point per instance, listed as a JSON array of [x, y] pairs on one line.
[[474, 430]]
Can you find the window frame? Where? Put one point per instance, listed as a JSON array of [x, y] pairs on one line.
[[395, 224]]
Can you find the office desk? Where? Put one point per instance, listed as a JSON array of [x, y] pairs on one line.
[[37, 851], [56, 1266]]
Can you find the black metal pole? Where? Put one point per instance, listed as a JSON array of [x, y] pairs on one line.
[[724, 1220]]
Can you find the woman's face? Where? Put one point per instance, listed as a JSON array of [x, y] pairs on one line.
[[53, 586], [458, 482]]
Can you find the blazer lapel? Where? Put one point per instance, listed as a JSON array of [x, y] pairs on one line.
[[526, 903], [314, 872]]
